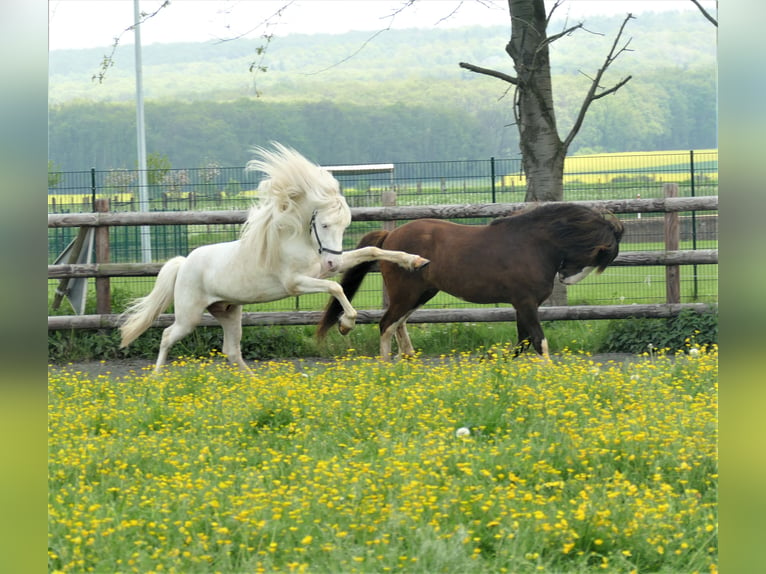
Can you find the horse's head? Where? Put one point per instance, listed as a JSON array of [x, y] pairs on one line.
[[327, 225], [297, 199], [593, 242]]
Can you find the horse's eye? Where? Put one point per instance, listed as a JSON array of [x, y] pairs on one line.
[[325, 226]]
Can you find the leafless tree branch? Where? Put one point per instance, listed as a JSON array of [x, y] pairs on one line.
[[555, 6], [354, 53], [488, 72], [391, 17], [592, 96], [705, 13], [566, 32], [364, 44], [265, 23], [451, 14], [257, 65], [108, 60], [613, 89]]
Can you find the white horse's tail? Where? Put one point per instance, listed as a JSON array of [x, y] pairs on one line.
[[140, 314]]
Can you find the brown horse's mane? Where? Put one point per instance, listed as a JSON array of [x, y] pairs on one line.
[[575, 228], [547, 211], [576, 216]]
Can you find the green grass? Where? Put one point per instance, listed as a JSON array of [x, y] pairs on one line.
[[278, 342], [274, 342], [354, 466], [618, 285]]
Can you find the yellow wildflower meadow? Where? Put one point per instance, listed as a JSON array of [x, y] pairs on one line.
[[355, 466]]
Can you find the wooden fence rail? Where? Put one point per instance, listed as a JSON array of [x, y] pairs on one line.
[[630, 259], [668, 258], [478, 315], [656, 205]]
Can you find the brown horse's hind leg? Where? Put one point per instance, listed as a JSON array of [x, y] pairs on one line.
[[403, 339], [390, 329], [396, 330], [385, 342], [406, 292]]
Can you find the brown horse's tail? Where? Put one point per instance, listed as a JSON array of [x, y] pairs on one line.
[[350, 283]]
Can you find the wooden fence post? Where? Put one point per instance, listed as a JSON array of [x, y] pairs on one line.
[[77, 248], [103, 295], [672, 235], [388, 199]]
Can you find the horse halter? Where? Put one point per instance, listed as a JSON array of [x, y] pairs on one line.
[[313, 229]]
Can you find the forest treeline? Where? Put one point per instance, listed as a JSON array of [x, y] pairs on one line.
[[401, 98]]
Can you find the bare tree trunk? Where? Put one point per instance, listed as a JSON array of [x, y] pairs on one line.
[[542, 151]]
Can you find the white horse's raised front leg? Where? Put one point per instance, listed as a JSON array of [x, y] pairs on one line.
[[304, 285], [363, 254]]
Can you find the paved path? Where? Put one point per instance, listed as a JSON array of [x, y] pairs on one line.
[[126, 367]]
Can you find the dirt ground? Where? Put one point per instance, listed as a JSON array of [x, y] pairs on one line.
[[132, 367]]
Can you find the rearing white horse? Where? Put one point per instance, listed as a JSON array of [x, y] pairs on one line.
[[292, 240]]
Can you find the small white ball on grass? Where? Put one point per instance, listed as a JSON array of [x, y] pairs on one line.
[[463, 431]]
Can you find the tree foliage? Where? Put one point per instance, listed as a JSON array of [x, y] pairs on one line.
[[401, 98]]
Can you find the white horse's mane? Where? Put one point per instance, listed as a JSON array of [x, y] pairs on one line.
[[294, 188]]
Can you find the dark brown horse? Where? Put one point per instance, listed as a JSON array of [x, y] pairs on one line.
[[514, 260]]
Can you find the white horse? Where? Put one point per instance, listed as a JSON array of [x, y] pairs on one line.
[[292, 240]]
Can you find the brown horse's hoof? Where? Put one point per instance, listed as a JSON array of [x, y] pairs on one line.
[[421, 262]]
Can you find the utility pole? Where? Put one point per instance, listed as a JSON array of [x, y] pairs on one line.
[[143, 185]]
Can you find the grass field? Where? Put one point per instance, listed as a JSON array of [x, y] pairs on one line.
[[356, 466]]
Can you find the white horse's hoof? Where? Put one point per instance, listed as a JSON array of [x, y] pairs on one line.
[[420, 262], [345, 329], [345, 325]]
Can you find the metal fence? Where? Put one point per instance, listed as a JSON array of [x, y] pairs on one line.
[[608, 176]]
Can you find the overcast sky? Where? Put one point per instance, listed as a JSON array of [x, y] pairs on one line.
[[95, 23]]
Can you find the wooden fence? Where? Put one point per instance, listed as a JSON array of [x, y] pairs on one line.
[[671, 258]]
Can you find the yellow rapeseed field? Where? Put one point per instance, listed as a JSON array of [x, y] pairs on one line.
[[71, 199], [657, 166], [354, 465]]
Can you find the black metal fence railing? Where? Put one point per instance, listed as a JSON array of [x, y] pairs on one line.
[[607, 176]]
